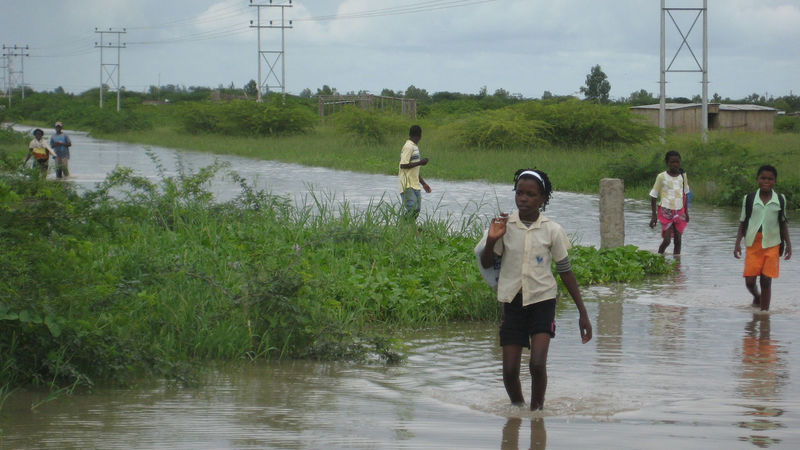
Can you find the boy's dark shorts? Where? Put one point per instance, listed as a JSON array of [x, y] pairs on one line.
[[520, 323]]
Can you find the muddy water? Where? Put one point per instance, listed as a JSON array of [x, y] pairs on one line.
[[678, 362]]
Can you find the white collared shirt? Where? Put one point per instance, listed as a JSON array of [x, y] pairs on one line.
[[527, 257]]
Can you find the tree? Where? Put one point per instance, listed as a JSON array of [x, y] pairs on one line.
[[547, 95], [597, 85], [421, 95], [716, 98], [251, 89], [327, 90], [502, 93], [306, 93], [641, 97], [386, 92]]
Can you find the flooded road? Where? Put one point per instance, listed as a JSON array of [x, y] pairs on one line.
[[677, 362]]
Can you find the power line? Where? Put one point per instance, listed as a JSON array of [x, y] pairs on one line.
[[397, 10]]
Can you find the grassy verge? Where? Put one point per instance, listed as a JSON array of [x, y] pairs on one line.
[[158, 277], [720, 171]]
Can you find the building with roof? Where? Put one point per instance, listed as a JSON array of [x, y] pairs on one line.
[[687, 117]]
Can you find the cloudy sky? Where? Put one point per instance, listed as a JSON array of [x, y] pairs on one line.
[[523, 46]]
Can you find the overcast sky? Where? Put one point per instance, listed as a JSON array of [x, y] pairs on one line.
[[523, 46]]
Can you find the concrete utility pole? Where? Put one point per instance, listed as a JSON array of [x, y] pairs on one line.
[[107, 70], [15, 76], [701, 67], [267, 55]]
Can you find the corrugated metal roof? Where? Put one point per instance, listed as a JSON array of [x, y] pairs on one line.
[[745, 108], [722, 106]]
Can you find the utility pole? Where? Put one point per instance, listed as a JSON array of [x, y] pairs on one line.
[[4, 72], [701, 67], [267, 55], [9, 53], [108, 70]]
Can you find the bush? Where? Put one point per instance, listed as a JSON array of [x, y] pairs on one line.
[[576, 123], [369, 126], [787, 124], [500, 129], [636, 168], [246, 118]]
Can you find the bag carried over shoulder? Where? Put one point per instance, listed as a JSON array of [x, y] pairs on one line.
[[491, 274]]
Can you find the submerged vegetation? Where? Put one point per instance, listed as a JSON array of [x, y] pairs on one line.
[[140, 278]]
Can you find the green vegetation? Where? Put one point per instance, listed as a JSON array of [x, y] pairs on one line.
[[140, 278], [466, 137], [137, 278], [787, 124]]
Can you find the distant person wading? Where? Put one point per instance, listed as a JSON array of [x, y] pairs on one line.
[[60, 143], [411, 183]]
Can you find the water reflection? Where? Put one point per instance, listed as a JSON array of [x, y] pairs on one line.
[[608, 336], [762, 375], [513, 428]]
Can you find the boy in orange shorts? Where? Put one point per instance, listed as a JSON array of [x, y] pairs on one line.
[[763, 226]]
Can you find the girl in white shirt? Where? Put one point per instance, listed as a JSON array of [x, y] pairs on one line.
[[673, 209], [528, 242]]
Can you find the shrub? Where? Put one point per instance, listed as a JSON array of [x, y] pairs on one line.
[[576, 123], [501, 129], [787, 124], [369, 126], [246, 118]]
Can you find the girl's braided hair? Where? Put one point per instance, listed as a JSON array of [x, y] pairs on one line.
[[545, 186]]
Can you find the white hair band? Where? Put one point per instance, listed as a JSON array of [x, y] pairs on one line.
[[530, 172]]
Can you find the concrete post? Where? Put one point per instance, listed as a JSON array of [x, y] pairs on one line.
[[612, 209]]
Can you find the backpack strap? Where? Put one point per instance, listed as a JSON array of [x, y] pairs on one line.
[[748, 209], [782, 213]]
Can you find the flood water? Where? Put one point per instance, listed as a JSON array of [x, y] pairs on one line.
[[677, 362]]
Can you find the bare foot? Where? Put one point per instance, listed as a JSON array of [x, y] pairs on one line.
[[757, 300]]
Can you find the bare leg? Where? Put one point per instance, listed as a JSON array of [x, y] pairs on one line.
[[750, 282], [512, 354], [540, 343], [766, 292], [677, 249], [667, 237]]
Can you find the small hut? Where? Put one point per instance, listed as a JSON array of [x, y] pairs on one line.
[[687, 117]]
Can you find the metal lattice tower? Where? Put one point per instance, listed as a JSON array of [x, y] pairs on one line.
[[271, 57], [4, 72], [14, 77], [108, 70], [701, 67]]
